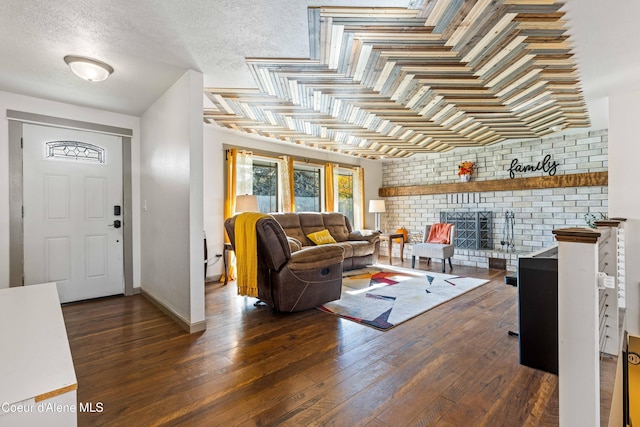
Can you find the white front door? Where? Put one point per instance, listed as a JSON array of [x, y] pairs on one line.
[[72, 181]]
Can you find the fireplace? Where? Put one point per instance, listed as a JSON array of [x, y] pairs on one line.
[[474, 230]]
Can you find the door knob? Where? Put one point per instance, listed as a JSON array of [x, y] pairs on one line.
[[116, 224]]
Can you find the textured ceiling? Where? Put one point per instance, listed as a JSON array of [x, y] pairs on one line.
[[392, 82]]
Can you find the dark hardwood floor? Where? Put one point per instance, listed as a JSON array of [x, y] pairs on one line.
[[452, 366]]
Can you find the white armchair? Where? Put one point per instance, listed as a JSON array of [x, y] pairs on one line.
[[434, 250]]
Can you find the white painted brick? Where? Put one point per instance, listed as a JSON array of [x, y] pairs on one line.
[[599, 132], [577, 160], [555, 197], [564, 144], [589, 165], [603, 146], [603, 197], [570, 190], [544, 204], [590, 203], [542, 210], [579, 136], [576, 209], [521, 205], [542, 215], [542, 192], [589, 140], [554, 221], [595, 153], [554, 210], [563, 205], [565, 215], [554, 139], [589, 190]]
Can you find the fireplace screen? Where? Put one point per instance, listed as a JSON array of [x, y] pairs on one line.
[[474, 230]]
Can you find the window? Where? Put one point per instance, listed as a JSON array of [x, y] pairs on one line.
[[345, 195], [269, 179], [74, 150], [265, 185], [306, 188]]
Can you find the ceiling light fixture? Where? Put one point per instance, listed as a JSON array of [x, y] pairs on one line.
[[88, 69]]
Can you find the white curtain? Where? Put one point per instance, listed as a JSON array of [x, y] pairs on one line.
[[336, 189], [358, 198], [285, 184], [244, 173]]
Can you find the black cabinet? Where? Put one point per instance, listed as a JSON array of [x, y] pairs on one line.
[[538, 309]]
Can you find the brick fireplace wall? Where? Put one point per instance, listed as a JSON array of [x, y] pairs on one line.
[[537, 212]]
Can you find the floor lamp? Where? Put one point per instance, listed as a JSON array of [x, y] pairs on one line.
[[377, 207]]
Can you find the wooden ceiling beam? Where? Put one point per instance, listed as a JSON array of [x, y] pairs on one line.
[[397, 81]]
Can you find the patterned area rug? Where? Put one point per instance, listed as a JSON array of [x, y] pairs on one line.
[[384, 296]]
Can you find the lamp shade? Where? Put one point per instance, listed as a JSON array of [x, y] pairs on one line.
[[88, 69], [246, 203], [376, 206]]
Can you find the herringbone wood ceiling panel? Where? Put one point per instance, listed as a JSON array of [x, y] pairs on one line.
[[390, 82]]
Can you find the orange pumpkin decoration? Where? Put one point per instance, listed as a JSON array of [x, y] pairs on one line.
[[404, 232]]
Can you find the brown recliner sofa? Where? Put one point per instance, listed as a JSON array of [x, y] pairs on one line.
[[360, 249], [293, 280]]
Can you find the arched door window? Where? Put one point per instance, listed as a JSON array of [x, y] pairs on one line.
[[76, 151]]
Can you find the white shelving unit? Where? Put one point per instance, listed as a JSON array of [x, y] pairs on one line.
[[588, 317]]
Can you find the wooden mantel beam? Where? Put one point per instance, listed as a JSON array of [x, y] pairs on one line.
[[590, 179]]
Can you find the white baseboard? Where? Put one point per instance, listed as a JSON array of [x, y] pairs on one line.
[[184, 323]]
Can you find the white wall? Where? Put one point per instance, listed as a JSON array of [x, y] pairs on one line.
[[171, 193], [214, 184], [373, 173], [214, 164], [624, 197], [11, 101]]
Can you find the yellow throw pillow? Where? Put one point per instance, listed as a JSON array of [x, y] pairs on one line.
[[321, 237]]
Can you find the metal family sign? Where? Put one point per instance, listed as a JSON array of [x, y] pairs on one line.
[[546, 165]]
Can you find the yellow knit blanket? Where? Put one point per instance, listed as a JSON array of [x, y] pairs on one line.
[[246, 243]]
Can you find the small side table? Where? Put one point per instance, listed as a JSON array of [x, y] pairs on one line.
[[390, 237], [225, 257]]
